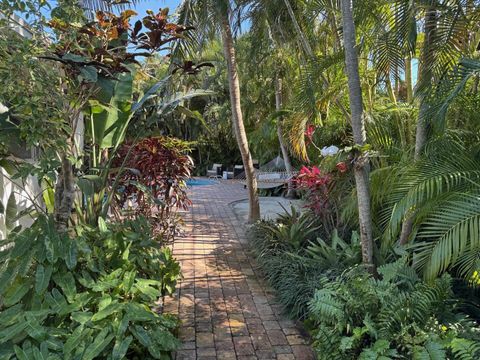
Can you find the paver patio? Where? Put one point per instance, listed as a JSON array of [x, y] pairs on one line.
[[227, 312]]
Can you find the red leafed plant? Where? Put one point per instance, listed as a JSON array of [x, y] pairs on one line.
[[323, 192], [156, 169], [316, 184]]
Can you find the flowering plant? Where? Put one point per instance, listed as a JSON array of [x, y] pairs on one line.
[[309, 131], [316, 184]]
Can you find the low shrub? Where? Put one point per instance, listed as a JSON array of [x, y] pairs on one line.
[[295, 263], [86, 296], [397, 316], [157, 171], [353, 315]]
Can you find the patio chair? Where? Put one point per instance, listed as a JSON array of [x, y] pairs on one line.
[[215, 171], [237, 170]]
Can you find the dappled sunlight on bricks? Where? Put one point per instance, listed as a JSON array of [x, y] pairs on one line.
[[227, 312]]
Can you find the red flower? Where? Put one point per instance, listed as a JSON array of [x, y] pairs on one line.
[[309, 132], [341, 166]]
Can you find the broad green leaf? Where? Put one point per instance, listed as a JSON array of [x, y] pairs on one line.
[[11, 212], [431, 351], [79, 334], [139, 312], [141, 335], [8, 165], [146, 288], [89, 74], [16, 291], [50, 250], [82, 317], [71, 256], [121, 347], [122, 327], [129, 280], [86, 280], [74, 58], [21, 354], [110, 119], [10, 315], [166, 340], [150, 93], [6, 276], [107, 311], [34, 329], [102, 225], [66, 282], [42, 278], [99, 344], [56, 301], [48, 195], [12, 331]]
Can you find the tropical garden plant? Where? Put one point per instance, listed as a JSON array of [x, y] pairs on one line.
[[382, 262]]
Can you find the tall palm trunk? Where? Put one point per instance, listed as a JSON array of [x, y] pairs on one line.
[[425, 79], [408, 78], [361, 168], [237, 118], [283, 147]]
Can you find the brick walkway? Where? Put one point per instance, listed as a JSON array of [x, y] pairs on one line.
[[227, 312]]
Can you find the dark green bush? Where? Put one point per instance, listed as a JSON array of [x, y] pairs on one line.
[[353, 315], [295, 263], [398, 316], [85, 296]]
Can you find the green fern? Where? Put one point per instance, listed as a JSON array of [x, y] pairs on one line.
[[430, 351], [464, 349]]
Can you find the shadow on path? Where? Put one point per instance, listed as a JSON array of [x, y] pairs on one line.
[[227, 311]]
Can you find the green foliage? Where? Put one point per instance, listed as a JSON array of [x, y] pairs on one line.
[[294, 263], [395, 316], [86, 297], [441, 192]]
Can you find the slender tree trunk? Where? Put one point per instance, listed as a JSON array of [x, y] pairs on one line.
[[408, 78], [425, 80], [361, 168], [283, 147], [390, 90], [64, 195], [237, 118]]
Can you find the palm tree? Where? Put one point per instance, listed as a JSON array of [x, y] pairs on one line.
[[211, 17], [237, 116], [359, 135]]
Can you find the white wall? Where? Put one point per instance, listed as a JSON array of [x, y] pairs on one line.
[[25, 194]]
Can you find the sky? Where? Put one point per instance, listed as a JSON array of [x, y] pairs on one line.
[[154, 5]]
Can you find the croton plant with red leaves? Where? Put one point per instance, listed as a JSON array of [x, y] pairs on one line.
[[103, 46], [317, 185], [156, 171]]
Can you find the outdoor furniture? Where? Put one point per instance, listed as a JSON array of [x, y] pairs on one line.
[[269, 176], [237, 170], [227, 175], [215, 171]]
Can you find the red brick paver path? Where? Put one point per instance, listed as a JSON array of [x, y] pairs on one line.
[[227, 312]]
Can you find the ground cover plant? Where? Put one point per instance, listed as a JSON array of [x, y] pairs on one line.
[[91, 295]]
